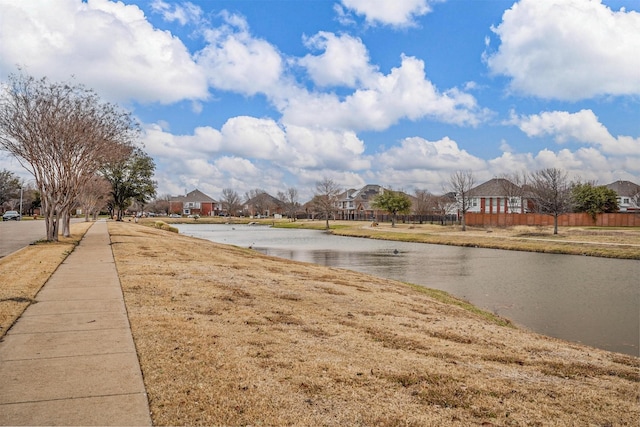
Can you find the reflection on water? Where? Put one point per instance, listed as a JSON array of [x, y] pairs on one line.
[[595, 301]]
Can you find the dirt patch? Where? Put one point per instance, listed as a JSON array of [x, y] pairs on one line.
[[227, 336]]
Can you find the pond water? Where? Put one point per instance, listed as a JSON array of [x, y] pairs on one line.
[[594, 301]]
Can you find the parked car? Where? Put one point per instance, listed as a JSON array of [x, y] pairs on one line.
[[11, 215]]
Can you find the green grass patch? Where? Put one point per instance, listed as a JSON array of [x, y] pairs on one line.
[[446, 298], [164, 226]]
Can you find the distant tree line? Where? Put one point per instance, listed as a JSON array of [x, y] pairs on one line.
[[547, 191]]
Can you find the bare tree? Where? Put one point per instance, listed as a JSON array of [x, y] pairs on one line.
[[513, 189], [289, 199], [550, 191], [424, 204], [461, 183], [444, 205], [231, 202], [326, 198], [160, 204], [635, 200], [93, 196], [256, 201], [61, 134]]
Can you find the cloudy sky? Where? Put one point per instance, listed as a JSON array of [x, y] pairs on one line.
[[272, 94]]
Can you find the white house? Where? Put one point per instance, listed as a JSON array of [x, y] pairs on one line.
[[628, 195]]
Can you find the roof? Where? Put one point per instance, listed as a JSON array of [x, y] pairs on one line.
[[624, 188], [264, 197], [496, 187], [194, 196]]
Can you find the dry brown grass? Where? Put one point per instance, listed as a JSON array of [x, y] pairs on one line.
[[24, 272], [227, 336], [607, 242], [601, 242]]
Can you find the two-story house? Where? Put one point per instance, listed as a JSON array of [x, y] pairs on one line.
[[628, 195], [194, 203], [498, 195], [356, 204]]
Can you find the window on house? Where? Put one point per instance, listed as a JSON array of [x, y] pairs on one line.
[[625, 200]]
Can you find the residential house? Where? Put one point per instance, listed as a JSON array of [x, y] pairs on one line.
[[263, 204], [356, 204], [194, 203], [628, 195], [497, 195]]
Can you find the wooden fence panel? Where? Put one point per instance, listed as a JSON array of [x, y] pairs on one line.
[[567, 220]]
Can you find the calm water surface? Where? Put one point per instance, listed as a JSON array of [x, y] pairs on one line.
[[595, 301]]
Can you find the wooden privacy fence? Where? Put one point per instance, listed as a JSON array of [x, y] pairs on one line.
[[565, 220]]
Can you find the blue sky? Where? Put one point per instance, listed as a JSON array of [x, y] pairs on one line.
[[271, 94]]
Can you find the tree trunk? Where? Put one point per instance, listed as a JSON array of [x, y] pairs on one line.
[[463, 222], [66, 225], [555, 224]]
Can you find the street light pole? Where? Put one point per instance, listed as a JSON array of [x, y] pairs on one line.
[[21, 187]]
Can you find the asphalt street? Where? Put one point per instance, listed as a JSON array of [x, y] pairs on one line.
[[15, 235]]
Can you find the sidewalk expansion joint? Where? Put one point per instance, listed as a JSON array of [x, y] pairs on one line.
[[97, 396]]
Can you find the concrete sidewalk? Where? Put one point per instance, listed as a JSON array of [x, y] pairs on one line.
[[70, 358]]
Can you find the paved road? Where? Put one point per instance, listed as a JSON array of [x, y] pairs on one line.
[[15, 235]]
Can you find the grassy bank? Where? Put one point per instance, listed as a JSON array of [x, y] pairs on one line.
[[609, 242], [227, 336]]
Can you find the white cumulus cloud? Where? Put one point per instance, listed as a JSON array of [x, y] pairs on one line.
[[253, 137], [344, 62], [397, 13], [403, 93], [583, 127], [568, 49], [234, 60], [108, 46], [182, 13], [421, 154]]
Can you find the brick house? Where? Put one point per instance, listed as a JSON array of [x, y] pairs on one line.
[[498, 195], [194, 203]]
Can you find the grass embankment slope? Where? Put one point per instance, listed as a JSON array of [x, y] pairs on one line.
[[227, 336], [24, 272], [609, 242]]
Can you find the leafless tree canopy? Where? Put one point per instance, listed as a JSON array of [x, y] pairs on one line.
[[94, 195], [424, 203], [290, 202], [550, 191], [258, 201], [231, 202], [325, 198], [513, 188], [461, 183], [61, 134]]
